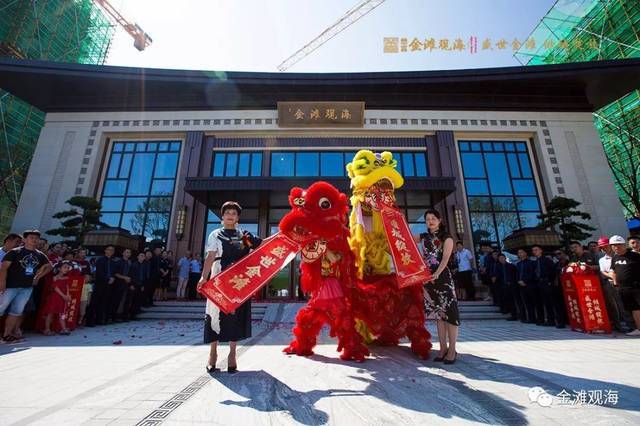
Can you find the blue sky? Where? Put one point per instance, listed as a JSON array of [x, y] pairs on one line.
[[256, 35]]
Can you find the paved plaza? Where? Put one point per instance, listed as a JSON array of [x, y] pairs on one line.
[[152, 372]]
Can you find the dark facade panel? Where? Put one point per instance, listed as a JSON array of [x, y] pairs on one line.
[[199, 188], [61, 87], [296, 142]]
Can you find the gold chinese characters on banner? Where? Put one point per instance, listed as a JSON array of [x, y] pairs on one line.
[[320, 114], [473, 44]]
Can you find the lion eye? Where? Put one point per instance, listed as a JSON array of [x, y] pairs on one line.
[[324, 203]]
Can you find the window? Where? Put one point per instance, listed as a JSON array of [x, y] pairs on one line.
[[138, 191], [327, 164], [501, 192], [236, 164]]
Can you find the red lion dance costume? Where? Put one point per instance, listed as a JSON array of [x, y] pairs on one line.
[[318, 222]]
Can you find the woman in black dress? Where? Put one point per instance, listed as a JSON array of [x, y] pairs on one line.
[[440, 296], [225, 246]]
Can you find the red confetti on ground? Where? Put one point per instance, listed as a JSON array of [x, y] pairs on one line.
[[117, 342]]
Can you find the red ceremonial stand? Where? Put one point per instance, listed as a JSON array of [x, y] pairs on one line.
[[586, 308]]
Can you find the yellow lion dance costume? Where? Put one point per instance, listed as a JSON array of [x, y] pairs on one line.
[[385, 313]]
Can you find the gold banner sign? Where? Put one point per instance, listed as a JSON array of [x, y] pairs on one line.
[[320, 114]]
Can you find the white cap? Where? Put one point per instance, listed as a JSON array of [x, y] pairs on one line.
[[617, 239]]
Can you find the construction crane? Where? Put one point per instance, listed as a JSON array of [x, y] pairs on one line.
[[140, 39], [349, 18]]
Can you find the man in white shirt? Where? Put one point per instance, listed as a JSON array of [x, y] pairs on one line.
[[612, 299], [464, 274], [10, 242]]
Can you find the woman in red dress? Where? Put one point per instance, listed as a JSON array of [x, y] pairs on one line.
[[58, 300]]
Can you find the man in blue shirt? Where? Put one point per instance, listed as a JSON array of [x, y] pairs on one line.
[[491, 263], [151, 281], [105, 276], [485, 263], [550, 292], [138, 274], [526, 289], [184, 268], [122, 289], [506, 277]]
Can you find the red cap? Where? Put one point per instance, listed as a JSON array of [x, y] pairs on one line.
[[603, 241]]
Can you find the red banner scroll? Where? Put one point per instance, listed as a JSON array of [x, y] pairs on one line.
[[409, 264], [232, 287], [76, 282]]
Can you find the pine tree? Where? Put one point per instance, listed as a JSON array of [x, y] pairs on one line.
[[84, 216], [562, 215]]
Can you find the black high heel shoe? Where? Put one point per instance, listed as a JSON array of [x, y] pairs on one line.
[[441, 358], [451, 361], [212, 368], [232, 369]]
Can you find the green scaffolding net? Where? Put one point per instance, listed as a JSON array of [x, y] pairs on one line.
[[591, 30], [57, 30], [619, 126]]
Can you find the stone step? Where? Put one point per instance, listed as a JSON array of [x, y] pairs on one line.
[[194, 310], [491, 308], [191, 315], [190, 310], [482, 315], [465, 316], [474, 303], [171, 316]]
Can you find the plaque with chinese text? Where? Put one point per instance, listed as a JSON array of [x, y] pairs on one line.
[[320, 114]]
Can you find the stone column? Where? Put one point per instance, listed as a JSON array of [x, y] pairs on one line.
[[191, 164], [446, 152]]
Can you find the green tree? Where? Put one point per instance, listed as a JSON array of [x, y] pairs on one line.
[[152, 218], [84, 216], [562, 216]]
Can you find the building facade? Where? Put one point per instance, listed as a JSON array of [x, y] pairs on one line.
[[162, 165]]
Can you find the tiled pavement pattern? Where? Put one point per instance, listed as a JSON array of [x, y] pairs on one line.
[[156, 376]]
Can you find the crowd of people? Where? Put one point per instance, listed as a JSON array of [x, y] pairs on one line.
[[115, 288], [530, 289]]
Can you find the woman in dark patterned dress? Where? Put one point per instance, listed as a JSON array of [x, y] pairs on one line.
[[440, 296], [225, 246]]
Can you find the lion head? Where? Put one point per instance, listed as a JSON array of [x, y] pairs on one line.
[[374, 178], [318, 215]]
